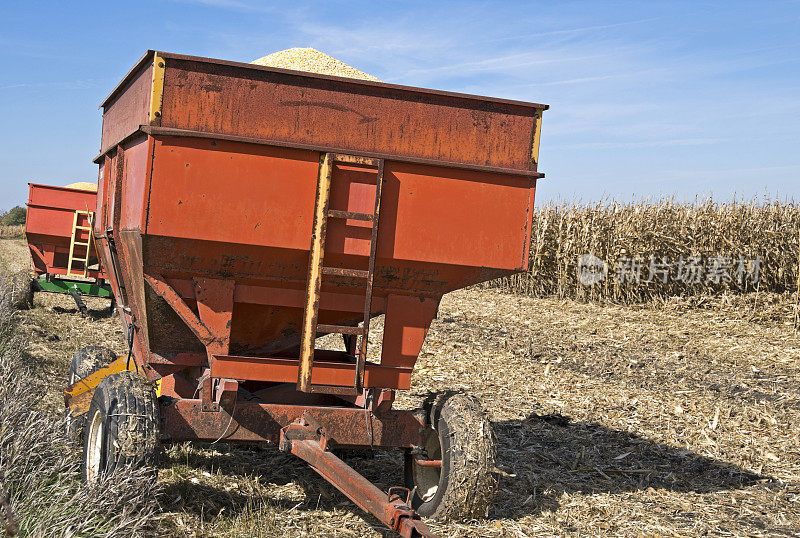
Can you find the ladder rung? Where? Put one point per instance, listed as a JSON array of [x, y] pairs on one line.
[[341, 271], [87, 228], [335, 213], [81, 244], [354, 159], [342, 329]]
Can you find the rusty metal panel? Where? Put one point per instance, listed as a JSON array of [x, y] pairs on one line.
[[129, 250], [457, 217], [285, 297], [253, 422], [177, 304], [266, 196], [236, 99], [214, 299], [134, 195], [332, 113], [129, 105], [99, 225], [406, 324]]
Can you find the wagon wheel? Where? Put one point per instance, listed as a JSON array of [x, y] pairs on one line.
[[122, 428], [460, 435], [86, 361]]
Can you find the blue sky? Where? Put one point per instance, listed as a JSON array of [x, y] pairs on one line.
[[647, 98]]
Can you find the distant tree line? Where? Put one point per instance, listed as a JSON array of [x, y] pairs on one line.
[[13, 217]]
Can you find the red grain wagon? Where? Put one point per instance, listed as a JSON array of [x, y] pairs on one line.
[[245, 211], [58, 231]]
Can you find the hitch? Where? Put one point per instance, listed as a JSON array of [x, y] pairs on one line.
[[308, 442]]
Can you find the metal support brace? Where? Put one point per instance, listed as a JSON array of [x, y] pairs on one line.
[[75, 293], [309, 443]]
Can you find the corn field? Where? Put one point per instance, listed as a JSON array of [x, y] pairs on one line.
[[12, 232], [634, 252]]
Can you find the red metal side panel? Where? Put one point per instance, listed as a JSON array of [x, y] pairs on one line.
[[454, 216], [251, 101], [61, 197], [128, 109], [233, 192], [98, 224], [134, 195], [407, 322], [101, 224], [260, 195], [102, 221], [51, 210], [50, 221]]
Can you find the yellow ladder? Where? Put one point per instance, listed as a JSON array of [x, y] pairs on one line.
[[76, 229], [316, 270]]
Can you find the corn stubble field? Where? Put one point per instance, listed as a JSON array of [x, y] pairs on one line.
[[676, 416], [763, 235]]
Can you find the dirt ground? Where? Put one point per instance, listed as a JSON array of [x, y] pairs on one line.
[[679, 419]]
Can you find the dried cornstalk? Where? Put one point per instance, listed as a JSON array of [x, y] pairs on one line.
[[797, 292], [732, 232]]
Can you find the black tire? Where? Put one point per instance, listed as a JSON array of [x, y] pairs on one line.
[[121, 427], [84, 362], [460, 434], [88, 360]]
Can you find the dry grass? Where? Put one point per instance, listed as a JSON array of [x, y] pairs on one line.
[[619, 420], [40, 469], [717, 232]]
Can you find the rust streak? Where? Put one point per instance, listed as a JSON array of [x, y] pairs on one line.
[[332, 106]]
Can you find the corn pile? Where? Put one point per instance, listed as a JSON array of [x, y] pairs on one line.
[[83, 185], [312, 61]]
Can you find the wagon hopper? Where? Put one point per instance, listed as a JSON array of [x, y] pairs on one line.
[[244, 211], [58, 229]]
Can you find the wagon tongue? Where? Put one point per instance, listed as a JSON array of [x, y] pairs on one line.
[[308, 442]]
